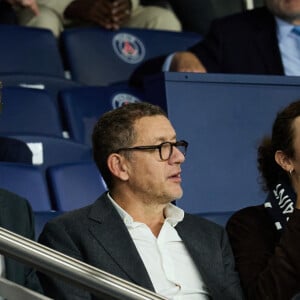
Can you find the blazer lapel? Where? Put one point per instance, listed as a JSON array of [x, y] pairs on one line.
[[203, 255], [111, 233]]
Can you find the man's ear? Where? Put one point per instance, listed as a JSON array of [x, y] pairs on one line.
[[117, 166], [284, 161]]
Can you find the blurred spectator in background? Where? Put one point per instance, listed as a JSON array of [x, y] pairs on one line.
[[7, 13], [196, 15], [259, 41], [109, 14], [16, 215], [266, 238]]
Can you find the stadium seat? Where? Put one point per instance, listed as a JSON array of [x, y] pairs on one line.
[[41, 218], [29, 111], [95, 56], [29, 50], [49, 151], [50, 84], [74, 185], [82, 107], [27, 181]]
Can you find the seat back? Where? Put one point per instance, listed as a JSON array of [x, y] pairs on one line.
[[96, 56], [82, 107], [74, 185], [41, 218], [51, 84], [50, 151], [26, 181], [29, 111], [29, 50]]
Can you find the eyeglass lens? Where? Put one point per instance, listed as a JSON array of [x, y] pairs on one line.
[[167, 149]]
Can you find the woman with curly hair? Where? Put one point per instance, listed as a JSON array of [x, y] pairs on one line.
[[266, 238]]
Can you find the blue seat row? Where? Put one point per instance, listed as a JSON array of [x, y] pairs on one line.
[[92, 56], [29, 111], [67, 186]]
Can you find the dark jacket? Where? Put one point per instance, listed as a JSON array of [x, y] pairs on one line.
[[268, 261], [16, 215], [244, 43], [97, 235]]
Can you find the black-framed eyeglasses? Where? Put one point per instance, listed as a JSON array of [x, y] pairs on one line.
[[165, 149]]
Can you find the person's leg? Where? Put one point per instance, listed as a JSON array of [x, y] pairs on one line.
[[47, 18], [153, 17]]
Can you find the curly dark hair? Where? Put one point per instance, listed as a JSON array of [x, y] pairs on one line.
[[115, 130], [282, 138]]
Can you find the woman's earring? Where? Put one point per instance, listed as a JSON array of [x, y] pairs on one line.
[[291, 171]]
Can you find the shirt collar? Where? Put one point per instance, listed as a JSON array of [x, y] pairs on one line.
[[173, 214], [283, 28]]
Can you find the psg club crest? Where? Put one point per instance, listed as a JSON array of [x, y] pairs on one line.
[[128, 47], [122, 99]]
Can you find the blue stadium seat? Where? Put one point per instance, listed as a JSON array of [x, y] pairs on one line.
[[29, 111], [51, 84], [74, 185], [29, 50], [41, 218], [27, 181], [49, 151], [96, 56], [82, 107]]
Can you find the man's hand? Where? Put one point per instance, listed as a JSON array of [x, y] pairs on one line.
[[31, 4], [110, 14], [186, 62]]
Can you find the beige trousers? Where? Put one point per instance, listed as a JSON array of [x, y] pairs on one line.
[[150, 17]]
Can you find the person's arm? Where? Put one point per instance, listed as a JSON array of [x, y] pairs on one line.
[[56, 237], [106, 13], [186, 62], [269, 265], [233, 285], [31, 4]]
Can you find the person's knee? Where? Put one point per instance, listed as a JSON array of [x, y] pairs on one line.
[[47, 18], [156, 18]]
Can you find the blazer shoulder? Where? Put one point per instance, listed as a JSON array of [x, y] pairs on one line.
[[199, 223], [12, 200]]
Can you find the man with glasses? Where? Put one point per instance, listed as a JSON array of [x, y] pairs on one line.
[[134, 231]]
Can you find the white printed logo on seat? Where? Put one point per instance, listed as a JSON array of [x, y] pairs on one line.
[[129, 48], [122, 99]]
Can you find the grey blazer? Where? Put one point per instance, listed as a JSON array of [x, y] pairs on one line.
[[16, 215], [97, 235]]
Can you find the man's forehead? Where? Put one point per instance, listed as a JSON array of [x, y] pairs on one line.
[[154, 128]]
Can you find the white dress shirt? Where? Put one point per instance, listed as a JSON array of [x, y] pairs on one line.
[[168, 263], [289, 46]]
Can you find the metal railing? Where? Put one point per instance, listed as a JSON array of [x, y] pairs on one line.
[[94, 280]]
